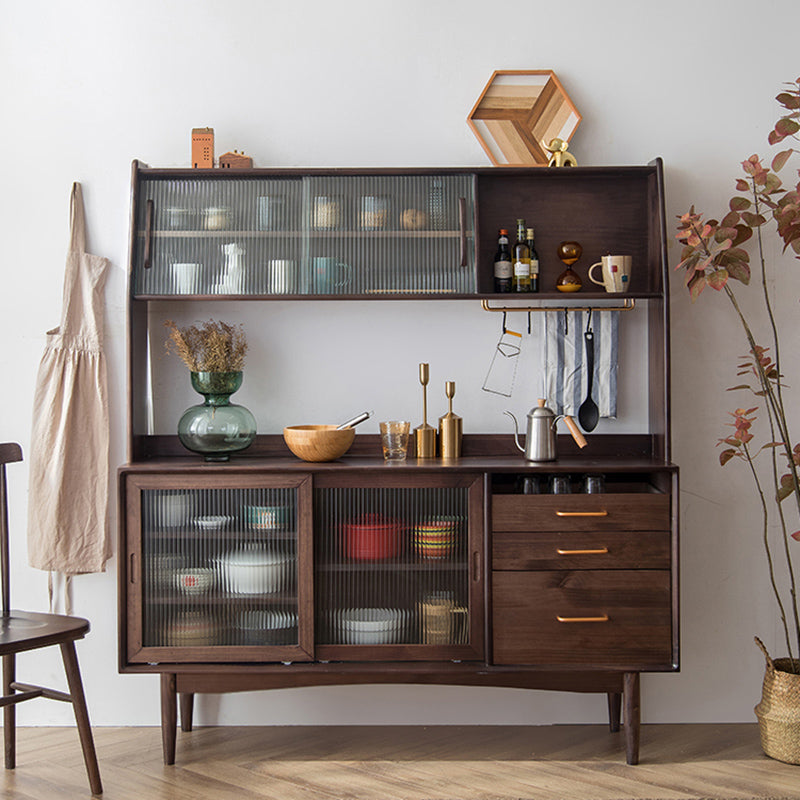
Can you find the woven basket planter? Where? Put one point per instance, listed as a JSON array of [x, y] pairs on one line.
[[779, 710]]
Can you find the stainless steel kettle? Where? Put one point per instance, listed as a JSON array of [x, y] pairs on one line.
[[540, 439]]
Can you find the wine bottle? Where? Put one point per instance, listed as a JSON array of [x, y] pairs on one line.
[[503, 269], [534, 261], [521, 282]]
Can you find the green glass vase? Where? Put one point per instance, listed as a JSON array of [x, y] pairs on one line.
[[218, 427]]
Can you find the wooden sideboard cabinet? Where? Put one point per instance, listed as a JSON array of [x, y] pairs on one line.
[[256, 573]]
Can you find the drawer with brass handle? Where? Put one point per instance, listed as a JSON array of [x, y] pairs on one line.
[[645, 511], [524, 550], [616, 618]]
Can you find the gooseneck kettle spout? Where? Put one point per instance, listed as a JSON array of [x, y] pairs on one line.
[[516, 431]]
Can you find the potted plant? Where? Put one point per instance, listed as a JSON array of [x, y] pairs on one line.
[[714, 256], [214, 352]]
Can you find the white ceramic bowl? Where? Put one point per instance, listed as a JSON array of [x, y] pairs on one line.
[[212, 522], [194, 581], [254, 570]]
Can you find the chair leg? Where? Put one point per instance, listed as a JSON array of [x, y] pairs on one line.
[[10, 712], [70, 659]]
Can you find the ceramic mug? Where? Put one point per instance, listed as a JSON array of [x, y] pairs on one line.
[[186, 277], [616, 273], [329, 274], [281, 274]]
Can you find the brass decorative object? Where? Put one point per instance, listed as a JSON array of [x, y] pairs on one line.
[[560, 157], [425, 435], [450, 426]]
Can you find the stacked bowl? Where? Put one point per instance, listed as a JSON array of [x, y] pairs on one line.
[[369, 625], [436, 537]]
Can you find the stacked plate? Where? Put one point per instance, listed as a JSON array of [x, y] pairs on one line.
[[369, 625], [436, 537], [262, 627]]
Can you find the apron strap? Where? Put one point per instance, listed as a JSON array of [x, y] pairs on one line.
[[77, 220]]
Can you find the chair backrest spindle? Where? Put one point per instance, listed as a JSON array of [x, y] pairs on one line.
[[9, 453]]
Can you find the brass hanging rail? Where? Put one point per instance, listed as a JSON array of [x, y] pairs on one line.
[[627, 304]]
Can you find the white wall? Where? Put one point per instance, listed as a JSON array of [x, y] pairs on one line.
[[87, 87]]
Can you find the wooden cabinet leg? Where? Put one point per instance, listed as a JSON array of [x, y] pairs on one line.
[[631, 696], [614, 710], [9, 712], [187, 710], [169, 716], [70, 659]]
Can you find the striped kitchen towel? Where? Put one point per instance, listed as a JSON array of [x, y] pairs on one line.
[[565, 379]]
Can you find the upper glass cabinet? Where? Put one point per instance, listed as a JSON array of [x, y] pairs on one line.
[[263, 235]]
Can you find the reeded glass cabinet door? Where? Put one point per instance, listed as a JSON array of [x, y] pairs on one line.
[[218, 570], [398, 569], [362, 235]]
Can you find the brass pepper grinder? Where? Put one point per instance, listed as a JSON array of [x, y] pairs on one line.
[[450, 426], [425, 435]]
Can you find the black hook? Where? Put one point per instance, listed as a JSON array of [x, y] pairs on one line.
[[589, 322], [504, 322]]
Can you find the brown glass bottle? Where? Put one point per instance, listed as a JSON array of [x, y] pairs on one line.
[[534, 256]]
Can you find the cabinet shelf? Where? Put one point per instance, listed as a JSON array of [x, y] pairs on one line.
[[432, 565]]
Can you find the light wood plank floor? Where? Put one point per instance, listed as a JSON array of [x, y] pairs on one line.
[[579, 762]]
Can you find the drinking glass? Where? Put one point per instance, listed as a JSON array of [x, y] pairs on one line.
[[394, 439]]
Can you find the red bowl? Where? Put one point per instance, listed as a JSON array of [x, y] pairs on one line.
[[372, 537]]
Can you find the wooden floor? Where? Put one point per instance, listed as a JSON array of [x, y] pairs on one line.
[[579, 762]]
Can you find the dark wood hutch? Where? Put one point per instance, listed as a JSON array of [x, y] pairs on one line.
[[574, 592]]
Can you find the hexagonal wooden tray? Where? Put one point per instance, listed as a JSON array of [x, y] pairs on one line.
[[518, 113]]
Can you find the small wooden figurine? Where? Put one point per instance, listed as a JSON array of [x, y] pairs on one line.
[[235, 160], [203, 148]]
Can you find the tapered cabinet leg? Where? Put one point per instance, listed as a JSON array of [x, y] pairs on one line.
[[70, 659], [632, 716], [169, 716], [187, 710], [614, 710], [9, 712]]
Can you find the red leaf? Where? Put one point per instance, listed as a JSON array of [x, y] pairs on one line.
[[796, 536], [725, 456]]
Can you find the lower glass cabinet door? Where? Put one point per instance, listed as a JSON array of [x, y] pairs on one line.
[[394, 572], [220, 573]]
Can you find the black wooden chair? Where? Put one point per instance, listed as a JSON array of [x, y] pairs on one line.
[[21, 631]]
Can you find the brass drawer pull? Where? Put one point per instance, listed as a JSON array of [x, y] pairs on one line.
[[603, 618], [581, 513], [599, 552]]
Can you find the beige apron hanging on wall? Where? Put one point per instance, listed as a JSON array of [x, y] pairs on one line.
[[68, 486]]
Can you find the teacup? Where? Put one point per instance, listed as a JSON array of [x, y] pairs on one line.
[[616, 273], [329, 274]]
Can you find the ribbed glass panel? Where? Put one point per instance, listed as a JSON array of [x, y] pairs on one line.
[[219, 567], [389, 234], [228, 237], [391, 566], [345, 235]]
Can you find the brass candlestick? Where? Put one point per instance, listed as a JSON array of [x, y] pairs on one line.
[[450, 426], [425, 435]]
